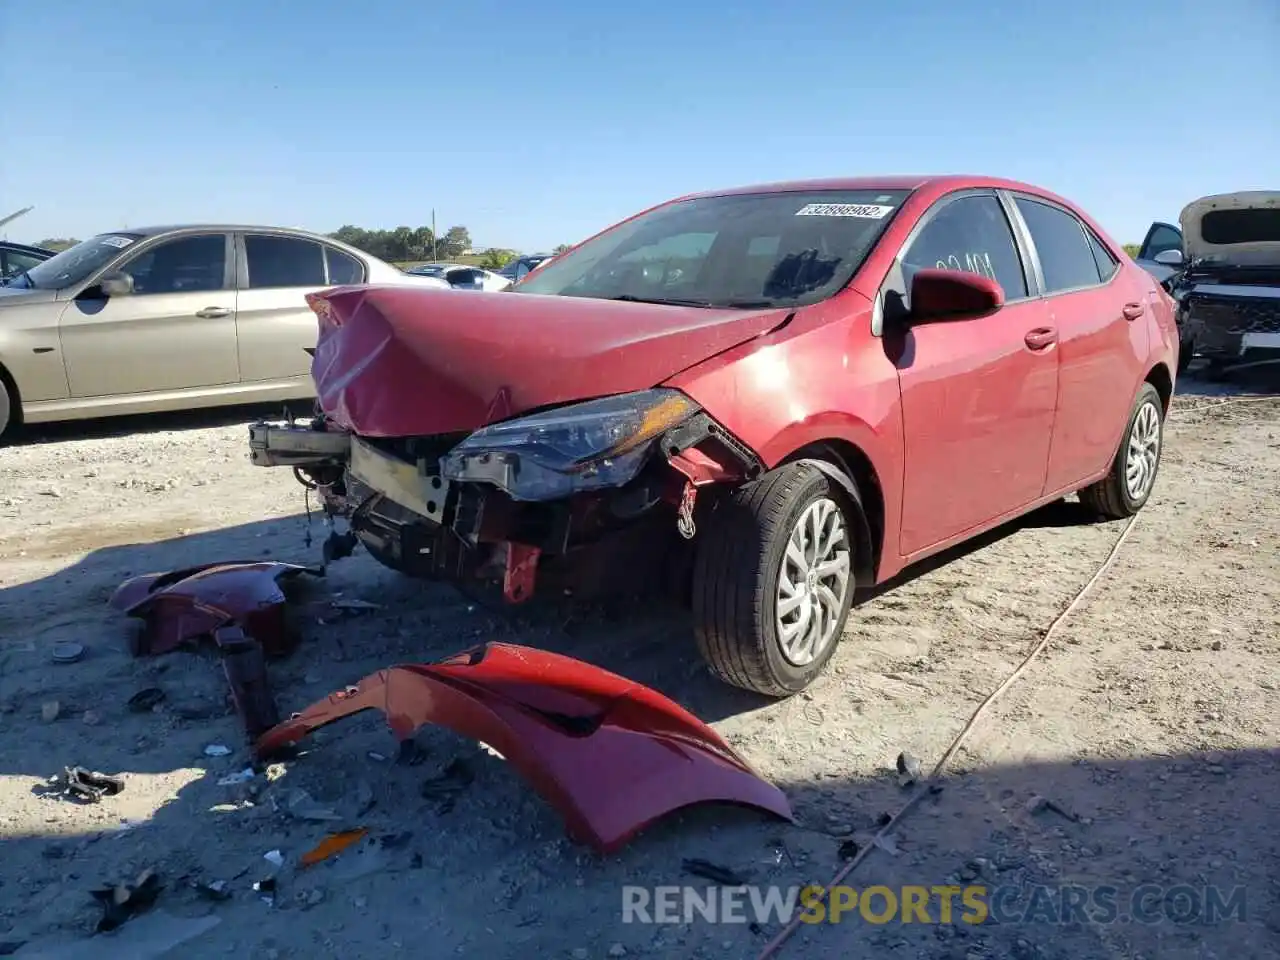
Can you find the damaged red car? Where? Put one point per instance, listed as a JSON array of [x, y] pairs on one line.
[[766, 397]]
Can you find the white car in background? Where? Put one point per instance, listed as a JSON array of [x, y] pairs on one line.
[[459, 276], [154, 319]]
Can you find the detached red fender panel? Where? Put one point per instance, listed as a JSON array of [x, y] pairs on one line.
[[183, 605], [609, 754]]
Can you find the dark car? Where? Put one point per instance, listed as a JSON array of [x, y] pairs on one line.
[[521, 267], [16, 258], [764, 399], [1222, 265]]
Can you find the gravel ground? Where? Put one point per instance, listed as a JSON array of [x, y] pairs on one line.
[[1151, 721]]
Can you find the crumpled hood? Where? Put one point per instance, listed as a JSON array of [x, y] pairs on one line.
[[399, 362], [1242, 229]]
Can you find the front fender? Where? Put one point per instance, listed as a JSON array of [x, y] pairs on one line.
[[609, 754]]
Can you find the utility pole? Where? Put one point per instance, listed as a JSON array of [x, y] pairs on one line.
[[433, 233], [15, 216]]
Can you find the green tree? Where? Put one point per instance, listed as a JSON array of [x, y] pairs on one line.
[[495, 259], [1132, 249], [563, 248], [454, 242], [58, 244]]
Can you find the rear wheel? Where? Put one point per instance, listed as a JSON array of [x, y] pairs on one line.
[[1127, 487], [6, 408], [773, 581]]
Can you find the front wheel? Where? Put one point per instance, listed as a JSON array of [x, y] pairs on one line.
[[773, 581], [1127, 487]]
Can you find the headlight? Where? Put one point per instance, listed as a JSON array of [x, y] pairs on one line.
[[584, 446]]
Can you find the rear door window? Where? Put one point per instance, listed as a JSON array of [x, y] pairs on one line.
[[283, 262], [1066, 256]]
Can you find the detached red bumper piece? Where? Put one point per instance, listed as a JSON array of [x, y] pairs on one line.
[[184, 605], [610, 755]]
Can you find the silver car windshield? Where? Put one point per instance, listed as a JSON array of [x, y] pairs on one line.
[[75, 264]]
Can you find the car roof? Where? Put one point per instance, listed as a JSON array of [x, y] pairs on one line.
[[155, 231], [952, 181]]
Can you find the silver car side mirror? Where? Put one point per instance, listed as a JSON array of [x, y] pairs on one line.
[[1170, 258]]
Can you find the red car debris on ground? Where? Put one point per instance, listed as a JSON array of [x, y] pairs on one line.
[[610, 754], [772, 395]]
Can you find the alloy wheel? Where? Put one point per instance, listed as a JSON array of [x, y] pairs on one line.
[[813, 583]]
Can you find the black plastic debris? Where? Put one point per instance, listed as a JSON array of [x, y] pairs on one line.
[[410, 754], [144, 701], [126, 900], [714, 872], [847, 850], [89, 785], [266, 889], [445, 789], [884, 819], [9, 947]]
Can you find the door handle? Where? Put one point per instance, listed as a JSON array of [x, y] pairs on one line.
[[1041, 338], [211, 313], [1132, 311]]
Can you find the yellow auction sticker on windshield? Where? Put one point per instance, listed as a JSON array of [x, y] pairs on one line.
[[863, 211]]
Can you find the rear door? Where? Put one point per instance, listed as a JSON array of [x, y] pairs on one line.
[[978, 396], [274, 324], [1099, 312], [176, 331]]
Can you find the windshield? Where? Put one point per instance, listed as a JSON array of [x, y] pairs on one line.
[[745, 250], [75, 264], [427, 270]]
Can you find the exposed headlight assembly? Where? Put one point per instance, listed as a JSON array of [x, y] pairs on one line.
[[584, 446]]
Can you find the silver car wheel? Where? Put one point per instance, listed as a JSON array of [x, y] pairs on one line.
[[1144, 452], [813, 583]]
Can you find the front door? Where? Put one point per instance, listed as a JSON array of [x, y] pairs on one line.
[[978, 395], [176, 331]]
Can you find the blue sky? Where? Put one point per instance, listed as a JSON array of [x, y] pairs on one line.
[[540, 123]]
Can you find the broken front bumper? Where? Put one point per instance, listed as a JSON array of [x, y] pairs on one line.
[[611, 755], [1237, 327]]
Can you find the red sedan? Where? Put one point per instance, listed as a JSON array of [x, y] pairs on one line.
[[765, 397]]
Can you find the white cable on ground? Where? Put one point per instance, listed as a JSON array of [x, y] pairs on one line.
[[775, 945]]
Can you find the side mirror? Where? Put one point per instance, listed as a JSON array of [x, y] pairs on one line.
[[116, 285], [940, 295], [1170, 258]]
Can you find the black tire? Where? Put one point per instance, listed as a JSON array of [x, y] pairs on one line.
[[739, 557], [1186, 352], [1110, 496], [6, 408]]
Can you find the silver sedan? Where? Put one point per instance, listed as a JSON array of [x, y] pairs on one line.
[[170, 318]]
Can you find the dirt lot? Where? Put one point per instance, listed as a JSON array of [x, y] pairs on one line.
[[1153, 719]]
